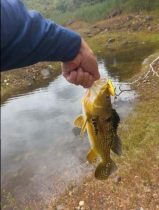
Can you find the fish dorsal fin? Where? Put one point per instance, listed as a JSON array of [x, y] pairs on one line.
[[111, 88], [80, 122]]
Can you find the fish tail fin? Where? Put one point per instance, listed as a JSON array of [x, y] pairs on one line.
[[116, 146], [105, 169]]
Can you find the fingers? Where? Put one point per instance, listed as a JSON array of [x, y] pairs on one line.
[[88, 80], [72, 77], [79, 77]]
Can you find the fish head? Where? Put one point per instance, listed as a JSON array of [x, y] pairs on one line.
[[97, 99]]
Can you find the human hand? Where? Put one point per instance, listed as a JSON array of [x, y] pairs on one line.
[[83, 69]]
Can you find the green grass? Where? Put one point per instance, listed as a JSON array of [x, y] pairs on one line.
[[87, 11], [98, 42]]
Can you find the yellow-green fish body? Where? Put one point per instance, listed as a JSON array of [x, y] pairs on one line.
[[100, 121]]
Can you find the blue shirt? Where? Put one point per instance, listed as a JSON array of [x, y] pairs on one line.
[[27, 38]]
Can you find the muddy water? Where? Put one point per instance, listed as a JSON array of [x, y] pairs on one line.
[[41, 150]]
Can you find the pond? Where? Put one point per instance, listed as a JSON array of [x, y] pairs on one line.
[[42, 152]]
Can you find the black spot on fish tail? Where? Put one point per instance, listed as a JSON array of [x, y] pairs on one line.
[[105, 169], [115, 119]]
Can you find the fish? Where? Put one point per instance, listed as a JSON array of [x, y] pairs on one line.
[[100, 121]]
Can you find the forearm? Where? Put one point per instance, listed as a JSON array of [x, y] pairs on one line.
[[28, 38]]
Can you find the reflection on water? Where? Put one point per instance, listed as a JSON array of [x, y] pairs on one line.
[[126, 63], [41, 151]]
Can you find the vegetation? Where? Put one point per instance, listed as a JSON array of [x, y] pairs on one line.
[[62, 11]]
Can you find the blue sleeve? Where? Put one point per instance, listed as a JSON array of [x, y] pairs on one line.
[[27, 38]]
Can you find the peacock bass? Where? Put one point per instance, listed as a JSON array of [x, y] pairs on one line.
[[100, 121]]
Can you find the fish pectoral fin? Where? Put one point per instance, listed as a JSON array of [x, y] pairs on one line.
[[91, 156], [79, 121], [105, 169]]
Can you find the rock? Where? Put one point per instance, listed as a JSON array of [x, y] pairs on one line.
[[129, 17], [148, 18], [149, 28], [106, 30], [70, 21], [81, 203], [114, 13], [60, 207], [45, 73], [95, 26], [110, 40]]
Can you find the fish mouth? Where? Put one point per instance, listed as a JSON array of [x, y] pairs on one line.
[[102, 85]]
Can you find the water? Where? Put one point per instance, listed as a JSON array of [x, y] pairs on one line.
[[41, 151]]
